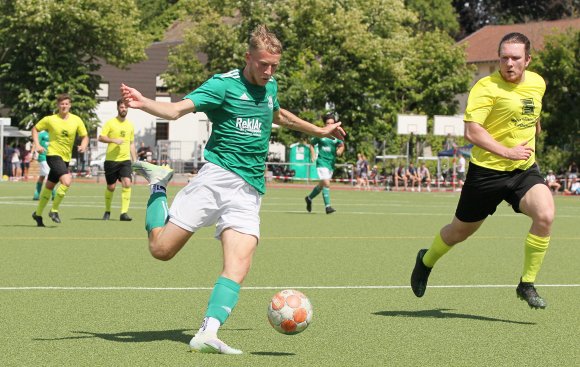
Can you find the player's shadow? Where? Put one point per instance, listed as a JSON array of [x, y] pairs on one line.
[[177, 335], [441, 313], [92, 219], [273, 354]]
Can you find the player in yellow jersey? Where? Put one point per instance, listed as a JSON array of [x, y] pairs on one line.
[[62, 129], [119, 133], [501, 120]]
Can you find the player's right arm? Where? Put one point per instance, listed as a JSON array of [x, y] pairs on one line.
[[478, 135], [167, 110], [35, 143]]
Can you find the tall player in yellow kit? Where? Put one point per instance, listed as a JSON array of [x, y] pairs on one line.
[[501, 120], [62, 129], [119, 133]]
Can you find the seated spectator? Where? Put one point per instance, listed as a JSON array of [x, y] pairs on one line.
[[400, 174], [412, 176], [574, 188], [552, 181], [424, 177], [572, 174]]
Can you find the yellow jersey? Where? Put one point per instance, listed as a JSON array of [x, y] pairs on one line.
[[116, 129], [62, 133], [509, 112]]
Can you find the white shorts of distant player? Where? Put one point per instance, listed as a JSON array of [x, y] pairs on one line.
[[324, 173], [217, 196], [44, 168]]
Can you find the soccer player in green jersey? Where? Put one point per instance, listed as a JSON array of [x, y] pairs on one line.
[[44, 168], [501, 120], [242, 105], [62, 129], [328, 150], [119, 133]]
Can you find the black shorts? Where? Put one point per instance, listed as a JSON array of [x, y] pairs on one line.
[[58, 167], [114, 171], [486, 188]]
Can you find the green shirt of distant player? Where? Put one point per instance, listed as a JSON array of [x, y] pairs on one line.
[[43, 141], [62, 133], [241, 114], [326, 151]]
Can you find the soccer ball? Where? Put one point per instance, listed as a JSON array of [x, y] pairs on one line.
[[289, 312]]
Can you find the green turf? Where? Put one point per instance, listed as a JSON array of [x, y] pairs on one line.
[[371, 240]]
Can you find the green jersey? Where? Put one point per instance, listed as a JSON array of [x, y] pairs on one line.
[[43, 141], [326, 151], [241, 114]]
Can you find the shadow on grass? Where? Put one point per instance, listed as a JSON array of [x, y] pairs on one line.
[[177, 335], [441, 313], [273, 354], [93, 219]]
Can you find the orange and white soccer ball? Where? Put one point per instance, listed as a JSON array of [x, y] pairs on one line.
[[290, 312]]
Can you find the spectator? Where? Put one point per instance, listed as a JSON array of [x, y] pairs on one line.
[[412, 176], [25, 164], [424, 176], [574, 188], [552, 181], [15, 161], [461, 163], [572, 174], [400, 175], [143, 152]]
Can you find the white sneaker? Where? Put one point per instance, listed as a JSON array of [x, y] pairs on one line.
[[156, 175], [209, 343]]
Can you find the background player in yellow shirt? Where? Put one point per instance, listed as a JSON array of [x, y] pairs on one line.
[[501, 120], [62, 129], [119, 133]]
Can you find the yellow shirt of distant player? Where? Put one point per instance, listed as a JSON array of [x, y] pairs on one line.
[[509, 113], [116, 129], [62, 133]]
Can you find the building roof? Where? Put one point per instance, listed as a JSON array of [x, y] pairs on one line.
[[482, 44]]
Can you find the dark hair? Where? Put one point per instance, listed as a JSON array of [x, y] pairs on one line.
[[329, 115], [62, 97], [119, 102], [515, 37]]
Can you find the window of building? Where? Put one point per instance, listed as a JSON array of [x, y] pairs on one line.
[[161, 130], [103, 92], [160, 86]]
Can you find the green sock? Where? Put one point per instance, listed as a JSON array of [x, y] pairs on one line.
[[108, 199], [43, 200], [315, 192], [38, 189], [534, 250], [157, 211], [223, 299], [438, 248], [125, 199], [326, 196], [60, 193]]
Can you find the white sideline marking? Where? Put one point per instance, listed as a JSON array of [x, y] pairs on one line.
[[268, 287]]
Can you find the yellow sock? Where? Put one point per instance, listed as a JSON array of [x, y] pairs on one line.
[[125, 199], [45, 196], [438, 248], [60, 193], [108, 199], [534, 250]]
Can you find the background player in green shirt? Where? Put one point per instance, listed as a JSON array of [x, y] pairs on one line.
[[328, 150], [501, 120], [44, 168], [242, 105], [62, 129], [119, 133]]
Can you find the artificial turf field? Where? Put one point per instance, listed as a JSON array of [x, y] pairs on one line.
[[87, 293]]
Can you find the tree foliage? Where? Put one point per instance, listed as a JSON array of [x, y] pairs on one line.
[[52, 47], [559, 64], [364, 58]]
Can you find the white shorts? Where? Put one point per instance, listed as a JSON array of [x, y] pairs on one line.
[[324, 173], [217, 196], [44, 169]]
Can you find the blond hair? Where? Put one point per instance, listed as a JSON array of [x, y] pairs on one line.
[[262, 39]]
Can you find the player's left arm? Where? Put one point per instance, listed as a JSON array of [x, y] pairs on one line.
[[287, 119], [133, 151], [84, 144], [538, 127]]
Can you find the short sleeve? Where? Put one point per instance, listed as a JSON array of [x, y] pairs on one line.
[[106, 129], [479, 104], [42, 124], [209, 96]]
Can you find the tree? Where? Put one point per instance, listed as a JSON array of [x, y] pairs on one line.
[[559, 64], [435, 14], [52, 47], [363, 58]]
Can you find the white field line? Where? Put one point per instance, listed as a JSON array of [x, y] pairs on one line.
[[56, 288]]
